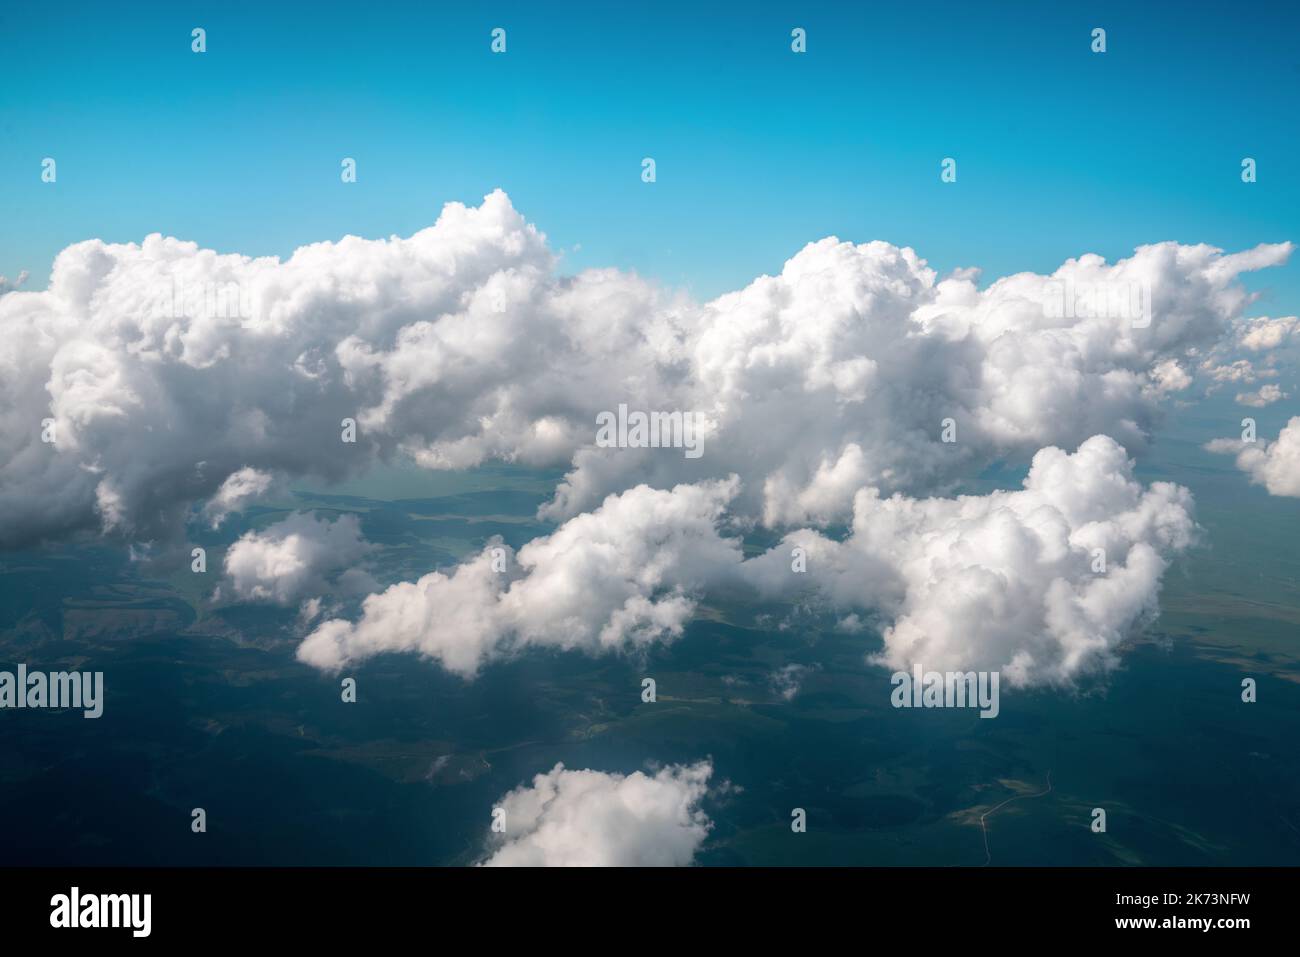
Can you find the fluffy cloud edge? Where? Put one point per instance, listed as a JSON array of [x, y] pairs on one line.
[[1043, 584], [169, 374], [571, 818], [1274, 465]]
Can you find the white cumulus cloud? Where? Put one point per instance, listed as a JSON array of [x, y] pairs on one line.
[[1042, 584], [614, 579], [1262, 334], [169, 368], [1264, 396], [239, 489], [595, 819], [176, 375], [291, 559], [1274, 465]]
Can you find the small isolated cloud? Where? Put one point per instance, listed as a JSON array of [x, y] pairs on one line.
[[788, 681], [1265, 395], [1238, 371], [1259, 335], [240, 488], [1275, 465], [594, 819], [292, 559]]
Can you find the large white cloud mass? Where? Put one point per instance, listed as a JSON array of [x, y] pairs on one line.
[[1274, 465], [593, 819], [839, 372], [167, 368], [150, 377]]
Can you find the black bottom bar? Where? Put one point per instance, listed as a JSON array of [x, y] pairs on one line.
[[333, 905]]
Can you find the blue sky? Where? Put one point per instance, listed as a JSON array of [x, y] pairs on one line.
[[1060, 151]]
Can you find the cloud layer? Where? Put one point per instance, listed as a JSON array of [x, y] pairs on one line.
[[856, 387], [166, 369]]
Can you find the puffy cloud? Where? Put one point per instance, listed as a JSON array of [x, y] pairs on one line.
[[1169, 376], [291, 559], [617, 578], [177, 375], [1265, 395], [238, 490], [1274, 465], [788, 680], [155, 357], [1239, 370], [1262, 334], [840, 371], [1042, 584], [461, 344], [594, 819]]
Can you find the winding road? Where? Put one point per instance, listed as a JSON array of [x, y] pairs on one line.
[[988, 856]]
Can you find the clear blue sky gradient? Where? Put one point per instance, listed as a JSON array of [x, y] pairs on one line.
[[1060, 151]]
